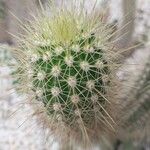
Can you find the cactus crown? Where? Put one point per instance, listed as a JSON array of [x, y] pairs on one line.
[[68, 66]]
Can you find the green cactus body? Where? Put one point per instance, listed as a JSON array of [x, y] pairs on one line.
[[72, 80], [70, 67]]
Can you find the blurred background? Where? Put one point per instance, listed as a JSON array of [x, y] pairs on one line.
[[18, 129]]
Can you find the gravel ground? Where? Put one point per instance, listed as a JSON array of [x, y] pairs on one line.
[[18, 130]]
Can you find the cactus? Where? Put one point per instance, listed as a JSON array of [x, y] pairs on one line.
[[140, 95], [136, 105], [2, 10], [67, 63]]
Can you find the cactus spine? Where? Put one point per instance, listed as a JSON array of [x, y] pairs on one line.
[[67, 63]]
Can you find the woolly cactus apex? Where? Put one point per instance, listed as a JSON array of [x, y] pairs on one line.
[[69, 66]]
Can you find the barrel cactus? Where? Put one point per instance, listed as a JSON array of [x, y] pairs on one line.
[[68, 65]]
